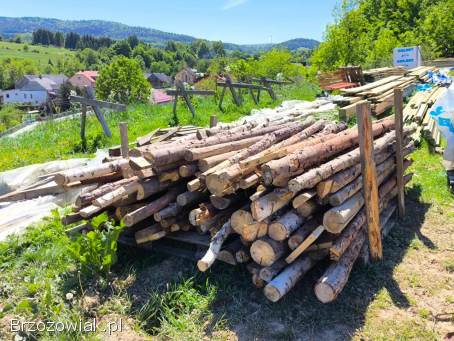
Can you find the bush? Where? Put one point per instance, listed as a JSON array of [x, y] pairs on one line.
[[10, 116]]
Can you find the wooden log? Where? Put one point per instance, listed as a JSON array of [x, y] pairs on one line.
[[117, 194], [398, 109], [215, 247], [270, 203], [303, 197], [149, 187], [265, 251], [204, 152], [308, 209], [149, 234], [287, 279], [209, 162], [302, 233], [204, 213], [149, 210], [267, 273], [124, 140], [312, 177], [281, 228], [221, 203], [172, 176], [121, 211], [190, 198], [240, 219], [228, 252], [139, 163], [71, 218], [250, 181], [172, 210], [260, 192], [242, 255], [255, 230], [181, 225], [333, 281], [370, 186], [188, 170], [297, 163], [90, 172], [90, 211], [254, 269]]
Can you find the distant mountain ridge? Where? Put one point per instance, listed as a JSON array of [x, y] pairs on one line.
[[10, 27]]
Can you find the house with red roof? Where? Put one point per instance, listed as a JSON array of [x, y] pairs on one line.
[[83, 79]]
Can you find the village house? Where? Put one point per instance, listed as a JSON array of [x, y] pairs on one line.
[[84, 78], [159, 80], [188, 75], [33, 90]]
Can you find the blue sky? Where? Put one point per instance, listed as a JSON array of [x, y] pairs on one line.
[[236, 21]]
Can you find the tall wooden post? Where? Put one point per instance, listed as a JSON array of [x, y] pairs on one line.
[[83, 123], [398, 116], [124, 140], [213, 121], [370, 187]]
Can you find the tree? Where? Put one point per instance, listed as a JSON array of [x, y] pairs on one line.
[[218, 48], [133, 41], [71, 40], [122, 81], [59, 39], [122, 48]]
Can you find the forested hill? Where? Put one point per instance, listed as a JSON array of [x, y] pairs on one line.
[[10, 27]]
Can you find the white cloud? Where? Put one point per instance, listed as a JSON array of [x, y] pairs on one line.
[[232, 3]]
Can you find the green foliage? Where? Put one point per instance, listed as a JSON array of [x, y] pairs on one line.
[[366, 31], [122, 81], [13, 69], [96, 251], [9, 117]]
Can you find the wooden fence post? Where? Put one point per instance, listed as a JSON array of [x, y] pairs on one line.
[[83, 123], [398, 117], [124, 140], [370, 187], [213, 121]]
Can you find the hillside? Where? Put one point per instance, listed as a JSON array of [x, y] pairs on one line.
[[10, 27], [40, 54]]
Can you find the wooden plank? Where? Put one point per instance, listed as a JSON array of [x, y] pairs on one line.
[[83, 123], [347, 112], [370, 187], [172, 92], [305, 244], [213, 121], [165, 136], [371, 85], [141, 141], [96, 103], [124, 140], [398, 114]]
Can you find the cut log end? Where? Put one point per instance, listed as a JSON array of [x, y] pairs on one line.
[[324, 292], [272, 293]]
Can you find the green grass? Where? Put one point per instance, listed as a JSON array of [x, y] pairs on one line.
[[40, 54], [60, 140]]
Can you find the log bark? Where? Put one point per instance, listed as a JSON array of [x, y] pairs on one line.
[[270, 203], [308, 209], [281, 228], [172, 210], [298, 162], [250, 181], [209, 162], [169, 176], [205, 152], [265, 251], [215, 246], [117, 194], [149, 187], [302, 233], [287, 279], [267, 273], [336, 276], [86, 198], [90, 172], [190, 198], [149, 234], [303, 197], [149, 210]]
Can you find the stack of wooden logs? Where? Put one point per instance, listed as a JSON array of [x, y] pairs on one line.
[[418, 110], [381, 92], [278, 193]]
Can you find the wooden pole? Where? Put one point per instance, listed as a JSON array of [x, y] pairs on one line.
[[213, 121], [370, 187], [124, 140], [398, 116], [83, 122]]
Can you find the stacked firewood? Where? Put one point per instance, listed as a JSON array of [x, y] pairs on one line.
[[278, 192]]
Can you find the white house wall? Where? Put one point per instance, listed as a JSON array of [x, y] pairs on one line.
[[23, 97]]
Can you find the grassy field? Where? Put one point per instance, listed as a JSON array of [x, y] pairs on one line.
[[60, 139], [407, 296], [40, 54]]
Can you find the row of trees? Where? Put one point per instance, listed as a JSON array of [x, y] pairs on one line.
[[366, 31], [71, 40]]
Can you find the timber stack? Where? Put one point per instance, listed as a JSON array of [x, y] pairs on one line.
[[277, 192], [380, 93]]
